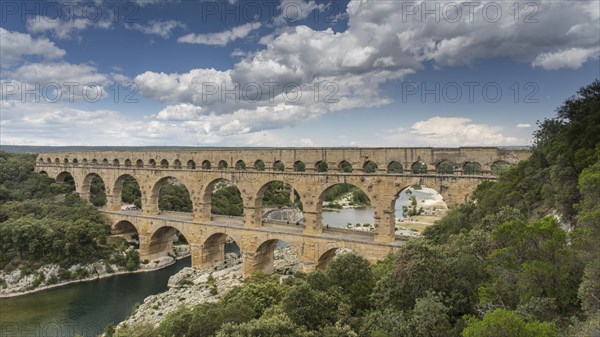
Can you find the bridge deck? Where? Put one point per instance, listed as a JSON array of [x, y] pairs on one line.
[[237, 222]]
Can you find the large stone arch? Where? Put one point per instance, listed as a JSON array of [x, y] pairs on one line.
[[205, 199], [453, 190], [212, 250], [118, 190], [86, 184], [324, 188], [126, 230], [382, 212], [160, 241], [328, 255], [62, 176], [436, 206], [151, 204], [263, 258], [255, 204], [67, 178]]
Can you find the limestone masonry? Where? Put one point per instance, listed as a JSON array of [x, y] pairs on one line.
[[382, 173]]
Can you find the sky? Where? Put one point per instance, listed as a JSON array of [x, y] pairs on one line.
[[290, 72]]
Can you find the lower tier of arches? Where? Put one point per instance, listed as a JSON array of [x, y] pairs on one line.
[[257, 245]]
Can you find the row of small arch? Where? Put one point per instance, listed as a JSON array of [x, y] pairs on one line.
[[268, 244], [419, 167]]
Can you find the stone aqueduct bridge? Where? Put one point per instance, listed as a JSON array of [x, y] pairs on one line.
[[200, 170]]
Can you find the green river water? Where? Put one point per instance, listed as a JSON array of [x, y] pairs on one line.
[[81, 308]]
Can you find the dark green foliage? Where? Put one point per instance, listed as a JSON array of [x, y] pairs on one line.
[[278, 166], [395, 167], [174, 197], [358, 196], [257, 294], [259, 165], [309, 307], [453, 270], [270, 326], [412, 209], [419, 168], [97, 192], [566, 145], [345, 167], [354, 278], [322, 166], [500, 167], [131, 193], [299, 167], [227, 201], [589, 289], [18, 182], [277, 194], [501, 322], [455, 221], [40, 231], [445, 167], [472, 168], [42, 222], [533, 261], [370, 167], [519, 188]]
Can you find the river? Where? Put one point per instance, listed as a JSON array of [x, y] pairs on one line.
[[85, 308], [365, 214]]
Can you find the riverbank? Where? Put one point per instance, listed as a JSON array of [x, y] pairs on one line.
[[343, 202], [191, 287], [50, 276]]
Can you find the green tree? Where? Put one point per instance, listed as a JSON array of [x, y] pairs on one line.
[[260, 292], [354, 276], [308, 307], [534, 260], [271, 326], [501, 322]]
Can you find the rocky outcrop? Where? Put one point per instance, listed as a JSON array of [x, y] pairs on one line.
[[48, 276], [190, 287], [18, 282]]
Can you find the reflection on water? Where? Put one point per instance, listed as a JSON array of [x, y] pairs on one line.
[[348, 215], [81, 308], [365, 215]]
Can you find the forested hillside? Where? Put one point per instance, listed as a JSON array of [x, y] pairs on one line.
[[521, 259], [42, 222]]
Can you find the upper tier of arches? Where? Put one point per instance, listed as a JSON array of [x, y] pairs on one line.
[[368, 166]]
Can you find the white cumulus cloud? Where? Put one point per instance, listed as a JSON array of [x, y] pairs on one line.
[[159, 28], [65, 29], [523, 125], [447, 131], [221, 38], [17, 45], [572, 58]]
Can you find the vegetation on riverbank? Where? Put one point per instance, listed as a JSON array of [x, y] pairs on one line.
[[42, 222], [502, 265]]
